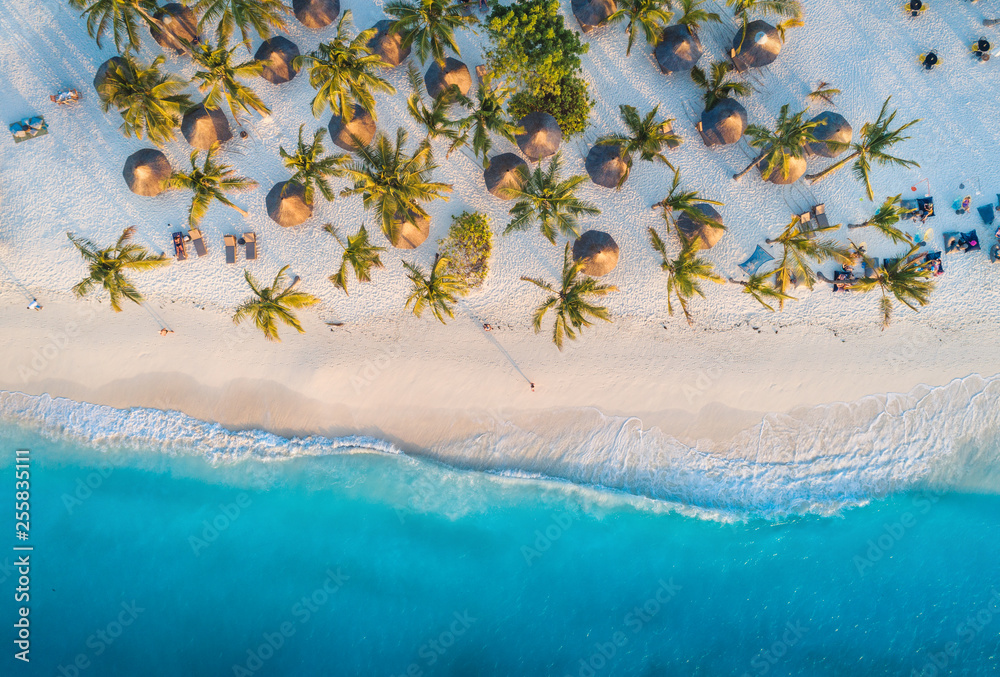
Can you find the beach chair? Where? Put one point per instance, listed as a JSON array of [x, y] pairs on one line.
[[926, 204], [842, 280], [995, 253], [29, 128], [869, 271], [65, 97], [230, 242], [179, 251], [198, 241], [251, 246], [967, 242], [756, 260], [933, 261], [819, 213], [911, 208], [987, 214]]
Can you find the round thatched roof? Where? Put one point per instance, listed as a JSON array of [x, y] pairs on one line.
[[541, 137], [361, 126], [438, 79], [505, 172], [101, 76], [592, 13], [277, 55], [724, 123], [411, 232], [145, 171], [388, 45], [204, 126], [705, 234], [289, 209], [598, 252], [761, 47], [181, 27], [796, 168], [832, 127], [606, 165], [677, 50], [316, 13]]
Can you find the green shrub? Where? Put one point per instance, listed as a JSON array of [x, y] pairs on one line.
[[570, 105], [468, 247]]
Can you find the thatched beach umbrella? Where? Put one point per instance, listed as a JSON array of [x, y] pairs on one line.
[[761, 47], [286, 204], [278, 53], [834, 128], [361, 126], [541, 137], [388, 45], [723, 123], [506, 171], [411, 231], [180, 28], [145, 172], [101, 77], [607, 165], [796, 168], [597, 251], [202, 127], [677, 50], [316, 13], [438, 79], [704, 233], [592, 13]]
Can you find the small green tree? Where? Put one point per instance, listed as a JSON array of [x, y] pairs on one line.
[[428, 25], [209, 182], [679, 202], [647, 137], [434, 119], [221, 78], [569, 104], [148, 100], [360, 254], [909, 279], [270, 305], [438, 291], [257, 15], [487, 116], [716, 85], [762, 290], [779, 147], [786, 8], [885, 219], [121, 16], [693, 16], [107, 267], [801, 248], [648, 16], [684, 273], [468, 247], [310, 168], [550, 201]]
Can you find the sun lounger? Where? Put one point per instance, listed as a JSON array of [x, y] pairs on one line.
[[967, 242], [869, 271], [251, 246], [29, 128], [819, 213], [889, 263], [66, 96], [987, 213], [756, 260], [911, 208], [934, 261], [842, 280], [995, 253], [230, 242], [926, 204], [198, 240], [179, 251]]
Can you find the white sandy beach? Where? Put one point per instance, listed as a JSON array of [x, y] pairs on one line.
[[431, 388]]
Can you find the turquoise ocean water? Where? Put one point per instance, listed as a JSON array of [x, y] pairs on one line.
[[173, 559]]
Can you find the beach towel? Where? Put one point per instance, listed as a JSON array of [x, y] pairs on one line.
[[29, 128], [756, 260], [987, 214]]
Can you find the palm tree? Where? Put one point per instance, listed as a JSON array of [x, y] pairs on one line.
[[909, 279], [763, 291], [551, 202], [647, 136], [885, 219], [693, 16], [311, 169], [800, 247], [684, 202], [109, 265], [121, 16], [683, 273], [439, 291], [874, 144], [777, 148], [247, 15], [270, 305], [392, 181], [148, 100], [209, 182], [787, 8], [651, 16], [428, 25], [571, 301], [219, 77], [343, 73], [715, 85], [359, 254], [486, 116], [434, 119]]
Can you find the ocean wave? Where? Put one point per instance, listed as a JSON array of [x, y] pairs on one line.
[[815, 460]]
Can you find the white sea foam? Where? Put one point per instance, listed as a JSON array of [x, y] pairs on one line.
[[815, 460]]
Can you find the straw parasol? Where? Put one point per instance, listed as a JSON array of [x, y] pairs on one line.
[[316, 13], [288, 209], [607, 165], [388, 45], [146, 171], [278, 53], [678, 49], [831, 127], [703, 233], [438, 79], [101, 76], [761, 47], [796, 168], [592, 13], [597, 251], [204, 126], [181, 28], [723, 123], [411, 232], [506, 171], [541, 137], [361, 126]]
